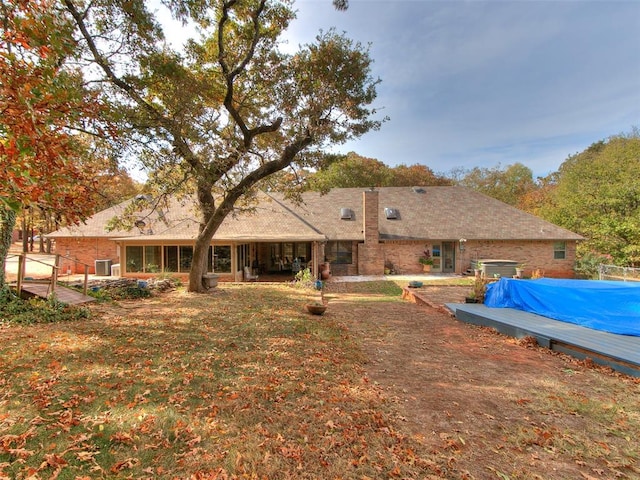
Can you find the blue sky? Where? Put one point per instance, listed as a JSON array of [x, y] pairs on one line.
[[482, 83]]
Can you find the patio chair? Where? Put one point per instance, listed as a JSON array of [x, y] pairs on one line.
[[248, 276]]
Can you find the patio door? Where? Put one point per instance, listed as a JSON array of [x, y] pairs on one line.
[[448, 257]]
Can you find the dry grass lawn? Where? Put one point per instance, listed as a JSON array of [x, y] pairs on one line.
[[244, 383]]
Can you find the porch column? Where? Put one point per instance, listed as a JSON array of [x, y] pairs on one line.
[[314, 259]]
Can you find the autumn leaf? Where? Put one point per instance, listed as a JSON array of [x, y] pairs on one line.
[[121, 437], [123, 465]]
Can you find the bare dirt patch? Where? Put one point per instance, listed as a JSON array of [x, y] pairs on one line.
[[493, 406]]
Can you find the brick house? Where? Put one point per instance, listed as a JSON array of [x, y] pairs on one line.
[[358, 231]]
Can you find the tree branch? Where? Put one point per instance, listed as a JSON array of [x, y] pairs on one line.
[[231, 75], [252, 178], [172, 128]]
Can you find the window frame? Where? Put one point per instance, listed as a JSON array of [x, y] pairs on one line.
[[342, 253], [559, 250]]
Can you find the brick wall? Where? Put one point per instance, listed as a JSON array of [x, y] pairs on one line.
[[370, 259], [535, 254], [404, 255], [85, 251]]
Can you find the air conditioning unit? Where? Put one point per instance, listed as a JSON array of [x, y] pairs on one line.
[[103, 267], [115, 270]]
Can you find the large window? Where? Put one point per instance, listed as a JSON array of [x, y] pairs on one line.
[[173, 258], [147, 259], [135, 259], [178, 259], [339, 252], [220, 259], [559, 250], [186, 258], [152, 259]]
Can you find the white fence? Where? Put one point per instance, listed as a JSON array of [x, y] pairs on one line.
[[622, 274]]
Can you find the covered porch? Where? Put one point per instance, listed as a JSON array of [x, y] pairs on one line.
[[235, 260], [278, 260]]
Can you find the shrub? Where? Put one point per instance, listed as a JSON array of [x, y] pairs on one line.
[[588, 265], [304, 279], [16, 310]]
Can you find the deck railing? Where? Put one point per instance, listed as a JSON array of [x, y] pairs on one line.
[[24, 258]]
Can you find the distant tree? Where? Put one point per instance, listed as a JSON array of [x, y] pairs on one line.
[[597, 195], [508, 185], [538, 198], [113, 185], [232, 109], [116, 186], [39, 101], [353, 170], [406, 176], [341, 4]]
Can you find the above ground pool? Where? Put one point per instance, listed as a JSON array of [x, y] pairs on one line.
[[602, 305]]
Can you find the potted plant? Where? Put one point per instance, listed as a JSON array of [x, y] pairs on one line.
[[426, 261], [520, 270], [316, 308], [388, 268]]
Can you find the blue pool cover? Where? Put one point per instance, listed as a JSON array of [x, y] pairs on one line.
[[602, 305]]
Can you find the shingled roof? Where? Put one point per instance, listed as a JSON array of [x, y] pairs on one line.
[[443, 213], [266, 220]]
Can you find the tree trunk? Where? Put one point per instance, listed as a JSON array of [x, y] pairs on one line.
[[7, 223], [199, 265]]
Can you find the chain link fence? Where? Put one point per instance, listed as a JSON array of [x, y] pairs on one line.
[[622, 274]]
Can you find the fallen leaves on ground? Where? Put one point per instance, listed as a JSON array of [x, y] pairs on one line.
[[242, 383]]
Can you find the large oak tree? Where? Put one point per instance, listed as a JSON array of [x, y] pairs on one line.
[[230, 109]]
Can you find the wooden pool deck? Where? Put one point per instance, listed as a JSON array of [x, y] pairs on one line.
[[620, 352]]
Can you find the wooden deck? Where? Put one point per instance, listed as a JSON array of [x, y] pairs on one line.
[[620, 352], [63, 294]]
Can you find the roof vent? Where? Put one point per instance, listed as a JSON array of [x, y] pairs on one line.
[[418, 190], [346, 214], [391, 213]]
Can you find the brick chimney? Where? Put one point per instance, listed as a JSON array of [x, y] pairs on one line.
[[370, 214], [371, 252]]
